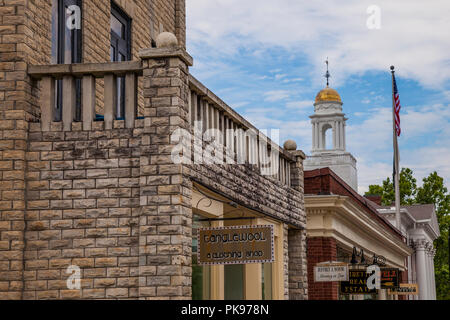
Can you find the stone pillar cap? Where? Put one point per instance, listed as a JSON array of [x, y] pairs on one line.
[[290, 145], [161, 53], [166, 40]]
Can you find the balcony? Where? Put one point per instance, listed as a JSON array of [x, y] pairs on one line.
[[204, 107]]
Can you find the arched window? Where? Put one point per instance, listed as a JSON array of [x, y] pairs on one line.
[[327, 137]]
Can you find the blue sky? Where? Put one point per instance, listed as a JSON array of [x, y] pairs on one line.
[[266, 60]]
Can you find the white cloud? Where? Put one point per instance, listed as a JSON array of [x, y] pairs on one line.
[[276, 95], [371, 143], [240, 104], [413, 37], [413, 34], [303, 104], [280, 76]]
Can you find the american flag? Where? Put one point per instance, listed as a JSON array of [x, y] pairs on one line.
[[397, 109]]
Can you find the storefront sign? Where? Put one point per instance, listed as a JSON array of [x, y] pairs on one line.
[[325, 272], [236, 245], [389, 278], [405, 289], [357, 283]]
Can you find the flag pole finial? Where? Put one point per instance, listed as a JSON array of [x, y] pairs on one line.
[[327, 75], [392, 69]]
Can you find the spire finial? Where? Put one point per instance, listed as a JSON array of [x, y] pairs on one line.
[[327, 75]]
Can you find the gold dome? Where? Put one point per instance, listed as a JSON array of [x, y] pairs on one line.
[[328, 95]]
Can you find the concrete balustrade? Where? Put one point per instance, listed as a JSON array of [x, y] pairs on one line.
[[213, 113], [88, 72]]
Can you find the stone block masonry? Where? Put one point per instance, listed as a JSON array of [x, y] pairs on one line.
[[165, 237], [110, 200], [83, 210]]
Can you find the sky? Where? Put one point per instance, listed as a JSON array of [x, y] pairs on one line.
[[266, 60]]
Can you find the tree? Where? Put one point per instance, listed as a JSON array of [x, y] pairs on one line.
[[408, 189], [433, 191]]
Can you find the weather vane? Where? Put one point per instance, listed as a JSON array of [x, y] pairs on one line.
[[327, 75]]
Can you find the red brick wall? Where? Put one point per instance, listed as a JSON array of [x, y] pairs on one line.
[[403, 279], [319, 250]]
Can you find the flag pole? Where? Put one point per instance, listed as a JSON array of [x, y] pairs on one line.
[[396, 158]]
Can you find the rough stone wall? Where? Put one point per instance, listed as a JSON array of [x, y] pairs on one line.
[[16, 110], [319, 250], [165, 241], [245, 184], [82, 210], [298, 272], [109, 201]]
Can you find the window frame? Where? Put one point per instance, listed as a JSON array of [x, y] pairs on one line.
[[58, 52], [118, 43]]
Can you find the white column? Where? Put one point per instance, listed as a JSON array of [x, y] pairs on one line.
[[320, 136], [421, 269], [430, 274], [427, 256], [433, 275], [314, 136], [343, 134], [334, 135]]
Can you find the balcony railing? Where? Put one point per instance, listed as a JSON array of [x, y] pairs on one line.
[[204, 107], [88, 73], [257, 149]]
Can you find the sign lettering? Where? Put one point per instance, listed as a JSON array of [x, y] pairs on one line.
[[405, 289], [325, 272], [235, 245]]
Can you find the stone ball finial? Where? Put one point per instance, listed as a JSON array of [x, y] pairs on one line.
[[290, 145], [166, 40]]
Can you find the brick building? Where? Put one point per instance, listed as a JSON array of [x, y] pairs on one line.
[[338, 220], [89, 105]]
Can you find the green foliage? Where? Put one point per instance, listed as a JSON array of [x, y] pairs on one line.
[[433, 191], [408, 189]]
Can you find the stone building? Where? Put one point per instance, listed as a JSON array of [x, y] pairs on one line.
[[95, 100]]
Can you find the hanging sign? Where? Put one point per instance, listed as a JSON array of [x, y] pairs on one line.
[[389, 278], [236, 245], [335, 271], [405, 289], [357, 283]]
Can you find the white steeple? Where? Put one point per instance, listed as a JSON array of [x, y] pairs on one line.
[[328, 115]]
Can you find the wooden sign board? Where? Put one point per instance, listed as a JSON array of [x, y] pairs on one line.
[[405, 289], [389, 278], [236, 245], [357, 283], [325, 272]]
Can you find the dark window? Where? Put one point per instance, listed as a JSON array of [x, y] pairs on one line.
[[67, 43], [120, 50]]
